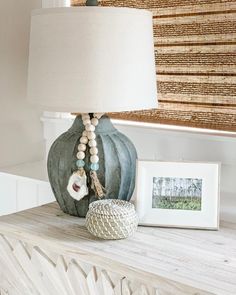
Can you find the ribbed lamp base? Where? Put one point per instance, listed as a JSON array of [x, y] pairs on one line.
[[117, 165]]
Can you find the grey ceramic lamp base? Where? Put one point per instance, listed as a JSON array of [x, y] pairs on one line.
[[117, 165]]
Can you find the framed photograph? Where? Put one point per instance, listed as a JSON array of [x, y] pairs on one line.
[[178, 194]]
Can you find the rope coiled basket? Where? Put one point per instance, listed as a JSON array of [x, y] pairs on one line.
[[111, 219]]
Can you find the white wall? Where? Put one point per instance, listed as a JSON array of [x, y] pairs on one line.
[[20, 129]]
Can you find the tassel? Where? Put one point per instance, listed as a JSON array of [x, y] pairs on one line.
[[96, 185]]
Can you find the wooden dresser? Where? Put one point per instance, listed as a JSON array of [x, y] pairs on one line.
[[46, 252]]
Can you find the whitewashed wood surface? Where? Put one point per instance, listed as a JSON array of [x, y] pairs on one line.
[[177, 261]]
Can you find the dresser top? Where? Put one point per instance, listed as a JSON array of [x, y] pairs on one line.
[[198, 259]]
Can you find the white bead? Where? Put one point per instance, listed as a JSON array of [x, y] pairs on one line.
[[84, 133], [94, 121], [91, 135], [94, 159], [81, 147], [98, 115], [84, 140], [92, 143], [80, 155], [93, 151], [85, 116], [90, 127], [86, 121]]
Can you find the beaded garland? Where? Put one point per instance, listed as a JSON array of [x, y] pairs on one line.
[[77, 185]]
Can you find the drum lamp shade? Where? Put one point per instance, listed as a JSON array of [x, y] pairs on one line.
[[92, 59]]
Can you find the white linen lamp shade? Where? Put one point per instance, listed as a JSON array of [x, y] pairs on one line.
[[92, 59]]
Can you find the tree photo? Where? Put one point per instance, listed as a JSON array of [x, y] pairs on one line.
[[177, 193]]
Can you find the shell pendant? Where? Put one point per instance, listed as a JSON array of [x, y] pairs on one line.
[[77, 185]]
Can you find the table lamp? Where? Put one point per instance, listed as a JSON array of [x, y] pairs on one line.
[[91, 60]]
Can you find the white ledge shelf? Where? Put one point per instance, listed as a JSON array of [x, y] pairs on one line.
[[34, 170]]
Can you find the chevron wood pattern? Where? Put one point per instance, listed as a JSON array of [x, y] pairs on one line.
[[30, 270], [195, 48]]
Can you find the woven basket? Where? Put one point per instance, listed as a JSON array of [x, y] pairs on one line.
[[111, 219]]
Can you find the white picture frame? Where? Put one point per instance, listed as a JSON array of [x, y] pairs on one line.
[[156, 184]]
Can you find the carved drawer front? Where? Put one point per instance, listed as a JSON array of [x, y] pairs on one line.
[[31, 270]]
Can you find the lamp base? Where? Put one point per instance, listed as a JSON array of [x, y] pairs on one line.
[[117, 165]]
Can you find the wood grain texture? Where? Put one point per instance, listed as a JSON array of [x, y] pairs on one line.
[[195, 51], [32, 270], [43, 248]]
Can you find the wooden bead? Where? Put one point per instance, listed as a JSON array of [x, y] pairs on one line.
[[80, 155], [94, 121], [93, 151], [84, 133], [91, 135], [85, 116], [86, 122], [81, 147], [98, 115], [89, 127], [94, 166], [92, 143], [80, 163], [84, 140], [94, 159]]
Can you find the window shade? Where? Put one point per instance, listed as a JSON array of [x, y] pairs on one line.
[[195, 47]]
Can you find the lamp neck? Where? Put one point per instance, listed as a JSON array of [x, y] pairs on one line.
[[92, 3]]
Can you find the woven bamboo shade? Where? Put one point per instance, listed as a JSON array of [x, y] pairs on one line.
[[195, 46]]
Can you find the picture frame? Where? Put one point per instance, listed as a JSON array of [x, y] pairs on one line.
[[178, 194]]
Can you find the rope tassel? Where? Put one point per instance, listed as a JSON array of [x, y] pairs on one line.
[[96, 185], [77, 186]]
